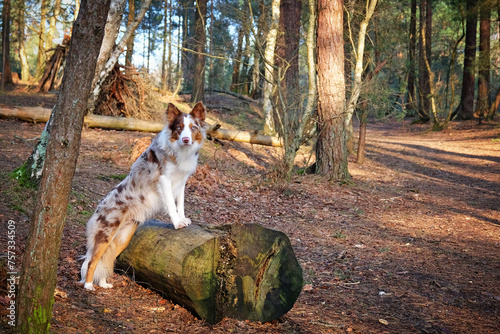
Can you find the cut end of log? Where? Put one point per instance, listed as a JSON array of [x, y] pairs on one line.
[[246, 272]]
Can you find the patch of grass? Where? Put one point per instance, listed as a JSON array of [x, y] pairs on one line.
[[339, 235], [18, 196], [117, 177], [21, 175], [342, 275], [385, 249]]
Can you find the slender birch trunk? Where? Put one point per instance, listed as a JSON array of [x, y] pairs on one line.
[[269, 68]]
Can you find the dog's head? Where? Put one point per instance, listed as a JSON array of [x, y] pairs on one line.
[[187, 129]]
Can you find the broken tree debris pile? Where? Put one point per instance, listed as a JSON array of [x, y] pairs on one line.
[[129, 92]]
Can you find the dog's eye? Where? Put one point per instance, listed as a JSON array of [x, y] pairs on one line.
[[178, 127], [194, 127]]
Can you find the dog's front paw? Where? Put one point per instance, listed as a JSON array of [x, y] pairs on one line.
[[183, 222], [89, 286], [105, 285]]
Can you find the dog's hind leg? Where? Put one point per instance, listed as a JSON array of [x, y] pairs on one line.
[[122, 238], [101, 246]]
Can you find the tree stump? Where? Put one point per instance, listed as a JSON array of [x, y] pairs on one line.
[[238, 271]]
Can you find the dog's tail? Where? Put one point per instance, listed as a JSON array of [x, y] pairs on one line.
[[104, 267]]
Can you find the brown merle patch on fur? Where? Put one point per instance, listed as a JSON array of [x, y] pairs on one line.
[[115, 224], [100, 238], [141, 198], [197, 135], [102, 220], [120, 203], [124, 210], [132, 183], [152, 157], [120, 188], [172, 158], [128, 197], [176, 126]]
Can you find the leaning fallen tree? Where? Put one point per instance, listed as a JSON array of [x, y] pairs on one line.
[[39, 114], [242, 271]]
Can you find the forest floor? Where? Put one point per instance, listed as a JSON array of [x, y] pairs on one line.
[[411, 246]]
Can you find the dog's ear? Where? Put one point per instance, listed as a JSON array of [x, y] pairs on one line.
[[198, 111], [172, 113]]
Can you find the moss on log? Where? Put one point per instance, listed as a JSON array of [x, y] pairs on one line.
[[239, 271]]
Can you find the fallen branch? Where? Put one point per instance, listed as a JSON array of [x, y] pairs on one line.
[[41, 115]]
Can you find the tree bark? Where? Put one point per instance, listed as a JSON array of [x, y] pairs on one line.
[[52, 24], [331, 148], [237, 63], [483, 91], [113, 21], [199, 46], [256, 74], [246, 272], [6, 70], [360, 157], [39, 268], [187, 61], [412, 99], [23, 59], [115, 53], [287, 95], [358, 71], [40, 60], [130, 42], [466, 107], [269, 83], [423, 82]]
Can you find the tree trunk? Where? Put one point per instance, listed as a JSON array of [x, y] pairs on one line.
[[6, 71], [188, 37], [40, 60], [494, 106], [466, 108], [412, 100], [130, 42], [358, 71], [287, 60], [256, 75], [199, 58], [39, 268], [52, 24], [483, 91], [245, 272], [303, 120], [423, 82], [117, 50], [269, 83], [23, 59], [237, 63], [331, 149], [164, 50], [115, 15], [360, 157]]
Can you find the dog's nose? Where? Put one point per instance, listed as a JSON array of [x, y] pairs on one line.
[[185, 140]]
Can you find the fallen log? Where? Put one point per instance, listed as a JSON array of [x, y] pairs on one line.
[[242, 271], [39, 114]]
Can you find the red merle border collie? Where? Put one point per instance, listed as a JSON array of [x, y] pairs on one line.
[[157, 180]]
